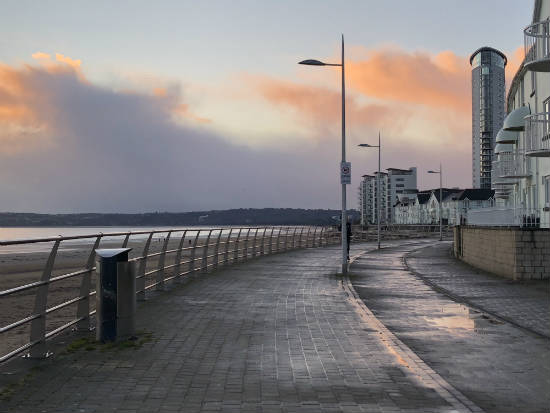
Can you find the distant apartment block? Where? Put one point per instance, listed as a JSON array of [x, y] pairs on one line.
[[393, 184], [488, 96]]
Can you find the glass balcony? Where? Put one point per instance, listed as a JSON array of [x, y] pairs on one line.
[[537, 135], [537, 46]]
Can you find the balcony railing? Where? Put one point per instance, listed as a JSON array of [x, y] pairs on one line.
[[537, 46], [537, 134], [513, 165], [62, 297], [499, 179]]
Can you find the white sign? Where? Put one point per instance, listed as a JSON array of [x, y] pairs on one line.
[[345, 173]]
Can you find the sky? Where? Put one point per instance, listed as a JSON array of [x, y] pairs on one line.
[[135, 106]]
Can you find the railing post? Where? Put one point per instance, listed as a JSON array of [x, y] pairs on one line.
[[307, 236], [245, 254], [286, 239], [236, 247], [226, 251], [216, 249], [38, 325], [314, 240], [140, 282], [126, 239], [193, 253], [262, 247], [160, 269], [177, 260], [294, 239], [254, 242], [321, 236], [270, 250], [204, 263], [83, 307]]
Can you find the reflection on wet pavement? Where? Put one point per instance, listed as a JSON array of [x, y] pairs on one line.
[[458, 317]]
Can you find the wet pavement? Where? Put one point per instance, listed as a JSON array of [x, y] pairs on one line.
[[283, 333], [523, 303], [495, 364]]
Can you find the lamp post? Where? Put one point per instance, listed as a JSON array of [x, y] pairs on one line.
[[378, 200], [440, 172], [344, 221]]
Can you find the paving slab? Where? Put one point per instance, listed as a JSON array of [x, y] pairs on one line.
[[280, 333], [495, 364]]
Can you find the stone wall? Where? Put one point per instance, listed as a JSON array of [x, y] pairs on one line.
[[509, 252]]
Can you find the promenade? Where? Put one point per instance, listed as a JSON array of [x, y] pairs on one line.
[[281, 333]]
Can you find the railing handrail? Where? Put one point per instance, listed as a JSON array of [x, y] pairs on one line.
[[119, 234], [529, 30], [208, 259]]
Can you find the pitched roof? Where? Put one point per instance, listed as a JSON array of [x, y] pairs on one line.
[[446, 192], [472, 194], [423, 197]]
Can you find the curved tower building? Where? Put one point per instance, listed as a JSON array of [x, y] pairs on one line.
[[488, 97]]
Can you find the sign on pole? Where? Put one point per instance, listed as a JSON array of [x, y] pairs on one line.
[[345, 173]]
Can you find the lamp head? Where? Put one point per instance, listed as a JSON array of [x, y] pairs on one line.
[[311, 62]]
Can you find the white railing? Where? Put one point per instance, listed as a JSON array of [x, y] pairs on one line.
[[537, 44], [537, 134], [510, 165], [60, 298], [509, 217]]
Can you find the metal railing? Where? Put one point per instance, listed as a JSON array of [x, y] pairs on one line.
[[508, 217], [537, 45], [399, 231], [162, 255], [511, 165], [537, 134]]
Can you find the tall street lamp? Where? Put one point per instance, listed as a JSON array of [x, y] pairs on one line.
[[344, 221], [440, 172], [378, 202]]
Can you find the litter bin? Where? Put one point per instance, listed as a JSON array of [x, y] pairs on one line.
[[116, 294]]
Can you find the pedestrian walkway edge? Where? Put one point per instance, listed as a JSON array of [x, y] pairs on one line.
[[412, 364]]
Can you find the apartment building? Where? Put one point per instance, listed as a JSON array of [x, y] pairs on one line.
[[393, 183], [488, 96], [521, 168]]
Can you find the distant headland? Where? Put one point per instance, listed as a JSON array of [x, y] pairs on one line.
[[248, 216]]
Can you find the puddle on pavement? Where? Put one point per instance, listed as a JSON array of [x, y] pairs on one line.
[[459, 317]]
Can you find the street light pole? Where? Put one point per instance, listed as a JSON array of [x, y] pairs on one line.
[[378, 199], [440, 172], [440, 203], [344, 221], [344, 211], [378, 188]]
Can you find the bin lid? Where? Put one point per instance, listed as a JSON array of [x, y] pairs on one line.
[[111, 252]]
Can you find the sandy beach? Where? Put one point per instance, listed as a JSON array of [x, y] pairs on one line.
[[18, 269]]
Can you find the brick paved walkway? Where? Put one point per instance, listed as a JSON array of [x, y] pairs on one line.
[[499, 367], [276, 334], [525, 303]]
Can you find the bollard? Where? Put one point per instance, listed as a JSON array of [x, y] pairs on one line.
[[116, 294]]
